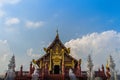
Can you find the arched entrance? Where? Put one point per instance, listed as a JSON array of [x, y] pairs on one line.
[[56, 69]]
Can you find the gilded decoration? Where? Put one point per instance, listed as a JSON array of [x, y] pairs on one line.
[[57, 57]]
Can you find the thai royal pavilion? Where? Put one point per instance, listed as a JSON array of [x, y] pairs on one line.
[[58, 64]]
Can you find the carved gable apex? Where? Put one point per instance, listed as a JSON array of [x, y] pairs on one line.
[[57, 46]]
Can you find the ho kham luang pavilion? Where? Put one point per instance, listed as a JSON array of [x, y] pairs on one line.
[[58, 64]]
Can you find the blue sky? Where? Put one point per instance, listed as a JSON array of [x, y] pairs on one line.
[[27, 25]]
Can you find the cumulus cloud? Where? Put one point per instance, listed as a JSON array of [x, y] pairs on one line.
[[12, 21], [31, 54], [2, 13], [5, 54], [99, 45], [31, 24], [3, 2]]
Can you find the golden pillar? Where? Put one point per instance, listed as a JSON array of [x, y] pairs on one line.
[[50, 60], [40, 64], [63, 56], [73, 63], [62, 61]]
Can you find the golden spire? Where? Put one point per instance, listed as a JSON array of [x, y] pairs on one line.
[[107, 66], [57, 35], [57, 31]]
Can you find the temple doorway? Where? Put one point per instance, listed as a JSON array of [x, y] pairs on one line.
[[56, 69]]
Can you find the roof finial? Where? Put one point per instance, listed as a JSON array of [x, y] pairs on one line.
[[107, 66], [57, 31], [57, 35]]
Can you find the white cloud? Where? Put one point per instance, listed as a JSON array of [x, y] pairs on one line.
[[3, 2], [5, 54], [99, 45], [3, 41], [2, 13], [12, 21], [31, 54], [30, 24]]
